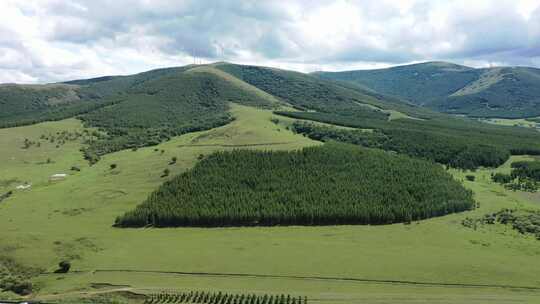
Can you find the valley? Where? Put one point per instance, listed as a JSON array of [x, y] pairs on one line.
[[73, 219]]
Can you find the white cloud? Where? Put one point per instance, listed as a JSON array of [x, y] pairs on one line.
[[54, 40]]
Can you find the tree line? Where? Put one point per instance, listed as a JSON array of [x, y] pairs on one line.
[[442, 149], [457, 143], [524, 176], [204, 297]]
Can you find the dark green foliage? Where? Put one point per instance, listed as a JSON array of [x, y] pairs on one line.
[[332, 184], [28, 104], [307, 92], [510, 93], [455, 150], [328, 133], [502, 178], [515, 95], [221, 298], [15, 277], [113, 166], [525, 176], [63, 267], [418, 83], [5, 195], [346, 119], [526, 169], [524, 221], [450, 149], [470, 178]]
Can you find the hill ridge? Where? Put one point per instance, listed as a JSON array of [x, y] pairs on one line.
[[502, 92]]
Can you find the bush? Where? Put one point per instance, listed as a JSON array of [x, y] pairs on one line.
[[14, 277], [166, 172], [16, 284], [470, 178], [113, 166], [501, 178], [63, 267], [6, 195]]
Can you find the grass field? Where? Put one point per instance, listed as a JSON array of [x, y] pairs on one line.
[[72, 219], [512, 122]]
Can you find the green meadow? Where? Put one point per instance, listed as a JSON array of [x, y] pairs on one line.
[[431, 261]]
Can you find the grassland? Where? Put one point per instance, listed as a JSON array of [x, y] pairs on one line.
[[518, 122], [73, 219]]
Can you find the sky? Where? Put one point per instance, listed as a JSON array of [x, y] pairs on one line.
[[56, 40]]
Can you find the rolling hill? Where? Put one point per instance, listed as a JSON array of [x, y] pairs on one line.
[[151, 107], [148, 108], [231, 145], [505, 92]]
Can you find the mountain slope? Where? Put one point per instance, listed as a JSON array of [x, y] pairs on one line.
[[151, 107], [304, 91], [498, 92], [491, 92], [169, 105], [28, 104]]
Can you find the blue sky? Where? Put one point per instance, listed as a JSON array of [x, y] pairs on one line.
[[55, 40]]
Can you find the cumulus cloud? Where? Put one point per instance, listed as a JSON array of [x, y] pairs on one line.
[[56, 40]]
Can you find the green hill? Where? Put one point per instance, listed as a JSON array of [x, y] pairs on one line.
[[509, 92], [151, 107], [148, 108], [28, 104], [452, 258]]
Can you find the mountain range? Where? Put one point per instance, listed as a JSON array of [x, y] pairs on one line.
[[503, 92]]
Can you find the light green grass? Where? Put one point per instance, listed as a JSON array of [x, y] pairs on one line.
[[73, 218], [392, 114], [511, 122], [486, 80]]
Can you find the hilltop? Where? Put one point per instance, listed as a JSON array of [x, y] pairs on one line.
[[506, 92]]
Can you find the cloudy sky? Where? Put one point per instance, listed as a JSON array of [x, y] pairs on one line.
[[55, 40]]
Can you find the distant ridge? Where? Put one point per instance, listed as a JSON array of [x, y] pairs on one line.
[[505, 92]]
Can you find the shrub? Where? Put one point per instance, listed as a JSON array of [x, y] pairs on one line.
[[63, 267], [166, 172], [501, 178]]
